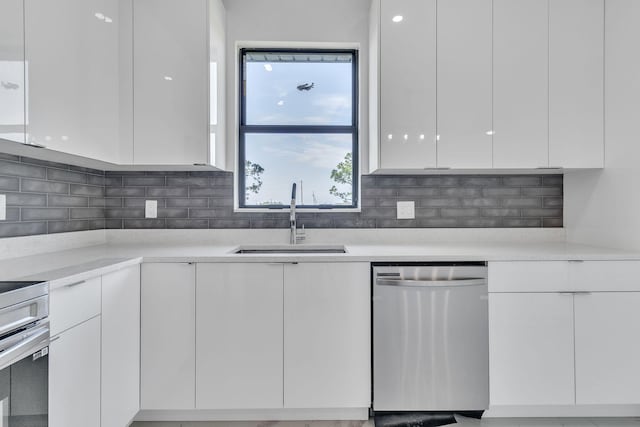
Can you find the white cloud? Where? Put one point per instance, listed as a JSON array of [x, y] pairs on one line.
[[313, 152]]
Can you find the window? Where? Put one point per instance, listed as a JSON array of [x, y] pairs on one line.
[[298, 124]]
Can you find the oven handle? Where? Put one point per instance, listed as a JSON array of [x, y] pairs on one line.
[[35, 340], [431, 283]]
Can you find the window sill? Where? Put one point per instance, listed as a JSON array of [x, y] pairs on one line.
[[299, 210]]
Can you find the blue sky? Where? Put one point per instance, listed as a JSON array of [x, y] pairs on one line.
[[273, 98]]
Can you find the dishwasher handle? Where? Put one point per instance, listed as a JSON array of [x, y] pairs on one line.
[[431, 283]]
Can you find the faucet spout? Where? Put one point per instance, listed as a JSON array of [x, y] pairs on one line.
[[292, 216]]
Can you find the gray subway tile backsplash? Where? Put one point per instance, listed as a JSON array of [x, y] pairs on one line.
[[46, 197]]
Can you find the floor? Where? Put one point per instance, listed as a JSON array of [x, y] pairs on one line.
[[496, 422]]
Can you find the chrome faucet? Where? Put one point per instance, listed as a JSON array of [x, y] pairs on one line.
[[294, 235]]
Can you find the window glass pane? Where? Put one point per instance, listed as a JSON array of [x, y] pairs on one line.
[[298, 89], [319, 163]]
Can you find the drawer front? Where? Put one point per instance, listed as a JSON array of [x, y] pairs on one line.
[[529, 276], [603, 276], [74, 303]]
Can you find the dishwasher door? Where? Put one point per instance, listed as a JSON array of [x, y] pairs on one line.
[[430, 338]]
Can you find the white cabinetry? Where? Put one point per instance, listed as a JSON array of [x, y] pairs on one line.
[[407, 84], [120, 347], [12, 89], [464, 84], [167, 336], [71, 49], [239, 336], [560, 331], [520, 83], [607, 348], [327, 335], [74, 376], [531, 355], [576, 83], [171, 82]]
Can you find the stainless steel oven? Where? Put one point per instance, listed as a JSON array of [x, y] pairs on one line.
[[24, 361]]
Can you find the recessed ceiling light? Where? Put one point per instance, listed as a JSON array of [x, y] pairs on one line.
[[108, 20], [422, 136], [397, 18], [437, 137], [168, 78], [406, 137], [268, 67], [490, 132], [99, 15], [389, 136]]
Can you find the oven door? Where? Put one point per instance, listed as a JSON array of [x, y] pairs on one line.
[[24, 378]]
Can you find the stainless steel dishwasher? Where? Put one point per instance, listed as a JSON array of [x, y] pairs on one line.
[[430, 337]]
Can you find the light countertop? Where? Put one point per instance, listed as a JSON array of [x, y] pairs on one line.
[[77, 264]]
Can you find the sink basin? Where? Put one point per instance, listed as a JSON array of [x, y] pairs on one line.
[[290, 249]]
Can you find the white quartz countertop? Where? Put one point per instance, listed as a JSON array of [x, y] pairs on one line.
[[77, 264]]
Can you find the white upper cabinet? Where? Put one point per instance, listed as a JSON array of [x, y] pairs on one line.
[[407, 84], [576, 83], [71, 49], [464, 84], [520, 83], [12, 87], [171, 82]]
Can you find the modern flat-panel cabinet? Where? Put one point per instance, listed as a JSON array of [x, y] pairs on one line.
[[71, 50], [407, 84], [168, 323], [520, 83], [171, 82], [531, 349], [120, 346], [576, 83], [239, 336], [607, 348], [327, 335], [464, 84], [12, 83], [74, 376]]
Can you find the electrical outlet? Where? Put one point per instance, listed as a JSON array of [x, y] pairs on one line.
[[406, 210], [3, 207], [151, 209]]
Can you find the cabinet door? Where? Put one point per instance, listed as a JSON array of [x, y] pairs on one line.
[[120, 347], [464, 84], [520, 83], [408, 84], [74, 376], [167, 337], [72, 76], [327, 335], [531, 349], [239, 336], [576, 83], [171, 82], [12, 88], [607, 348]]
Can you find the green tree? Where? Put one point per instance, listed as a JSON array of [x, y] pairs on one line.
[[253, 178], [343, 174]]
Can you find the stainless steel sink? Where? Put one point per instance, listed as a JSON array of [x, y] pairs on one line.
[[290, 249]]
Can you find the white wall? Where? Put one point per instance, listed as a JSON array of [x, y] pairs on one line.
[[304, 21], [603, 207]]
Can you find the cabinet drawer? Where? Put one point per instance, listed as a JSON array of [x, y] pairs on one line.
[[74, 303], [529, 276], [605, 276]]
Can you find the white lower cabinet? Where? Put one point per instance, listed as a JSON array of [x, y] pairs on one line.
[[607, 348], [120, 347], [531, 349], [168, 323], [74, 376], [327, 335], [239, 336]]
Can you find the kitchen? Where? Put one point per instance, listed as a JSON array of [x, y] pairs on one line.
[[435, 222]]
